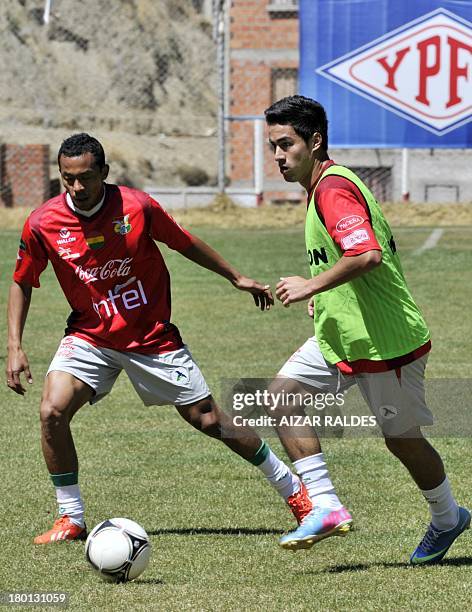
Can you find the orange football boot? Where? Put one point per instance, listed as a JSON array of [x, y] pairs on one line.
[[300, 503], [62, 530]]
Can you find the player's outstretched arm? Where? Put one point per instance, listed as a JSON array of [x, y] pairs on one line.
[[293, 289], [19, 300], [202, 254]]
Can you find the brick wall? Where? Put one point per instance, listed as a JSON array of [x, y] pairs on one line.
[[24, 175], [254, 27], [260, 42]]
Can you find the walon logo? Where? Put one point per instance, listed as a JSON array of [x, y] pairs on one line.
[[421, 71]]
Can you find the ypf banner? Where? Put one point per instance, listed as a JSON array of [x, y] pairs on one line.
[[390, 74]]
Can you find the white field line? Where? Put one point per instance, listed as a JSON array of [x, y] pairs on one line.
[[430, 242]]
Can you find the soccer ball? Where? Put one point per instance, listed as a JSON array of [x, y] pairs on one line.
[[118, 549]]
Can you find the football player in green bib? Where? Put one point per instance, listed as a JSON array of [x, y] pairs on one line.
[[368, 331]]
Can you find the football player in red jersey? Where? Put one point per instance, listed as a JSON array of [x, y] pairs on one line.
[[100, 239]]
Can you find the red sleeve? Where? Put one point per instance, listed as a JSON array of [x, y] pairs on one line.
[[31, 259], [346, 215], [165, 229]]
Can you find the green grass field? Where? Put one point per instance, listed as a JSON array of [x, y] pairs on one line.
[[213, 521]]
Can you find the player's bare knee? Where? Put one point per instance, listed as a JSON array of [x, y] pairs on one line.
[[194, 418], [278, 385], [392, 444], [404, 444], [52, 413], [210, 427], [285, 396], [209, 421], [201, 415]]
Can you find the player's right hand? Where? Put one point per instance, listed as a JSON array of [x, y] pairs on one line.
[[16, 364], [311, 308], [261, 294]]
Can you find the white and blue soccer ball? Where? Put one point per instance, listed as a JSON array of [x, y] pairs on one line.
[[118, 549]]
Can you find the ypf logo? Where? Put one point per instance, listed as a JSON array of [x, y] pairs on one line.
[[421, 71]]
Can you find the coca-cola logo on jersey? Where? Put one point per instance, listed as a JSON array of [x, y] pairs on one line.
[[111, 269]]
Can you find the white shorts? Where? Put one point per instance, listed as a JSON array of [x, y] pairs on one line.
[[397, 402], [166, 378]]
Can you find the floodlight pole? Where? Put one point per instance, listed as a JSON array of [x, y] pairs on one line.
[[47, 11]]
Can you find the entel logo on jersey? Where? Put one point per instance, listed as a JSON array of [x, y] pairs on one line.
[[131, 298], [419, 71]]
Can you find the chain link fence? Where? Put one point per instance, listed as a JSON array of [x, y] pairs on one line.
[[137, 74], [175, 90]]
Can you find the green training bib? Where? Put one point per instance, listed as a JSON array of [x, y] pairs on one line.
[[373, 316]]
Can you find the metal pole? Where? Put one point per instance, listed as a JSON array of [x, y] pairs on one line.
[[47, 11], [220, 6], [405, 168], [259, 160]]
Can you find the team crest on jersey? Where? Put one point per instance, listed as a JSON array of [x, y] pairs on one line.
[[122, 225]]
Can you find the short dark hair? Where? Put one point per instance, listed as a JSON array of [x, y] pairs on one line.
[[78, 144], [305, 115]]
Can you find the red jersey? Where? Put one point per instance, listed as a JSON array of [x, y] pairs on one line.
[[346, 216], [109, 267]]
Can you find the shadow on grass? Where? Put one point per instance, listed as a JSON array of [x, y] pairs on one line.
[[457, 561], [231, 531], [360, 567]]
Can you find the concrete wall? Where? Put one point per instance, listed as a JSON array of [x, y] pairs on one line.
[[435, 175]]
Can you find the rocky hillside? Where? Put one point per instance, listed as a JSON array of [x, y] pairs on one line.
[[138, 74]]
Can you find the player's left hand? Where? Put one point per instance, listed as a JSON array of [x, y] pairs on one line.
[[293, 289], [261, 294]]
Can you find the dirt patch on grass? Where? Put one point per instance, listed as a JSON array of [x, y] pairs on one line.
[[224, 214]]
